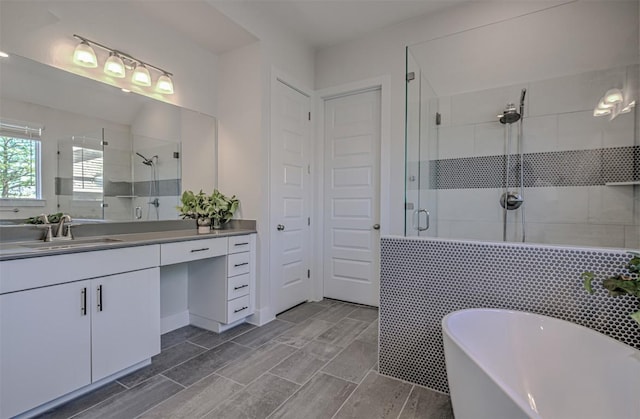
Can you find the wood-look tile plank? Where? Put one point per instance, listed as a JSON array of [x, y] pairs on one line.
[[377, 397], [302, 312], [195, 401], [206, 363], [321, 397], [179, 335], [255, 363], [354, 362], [211, 339], [165, 360], [364, 314], [301, 365], [304, 332], [134, 401], [84, 402], [370, 334], [335, 313], [427, 404], [263, 334], [343, 333], [256, 401]]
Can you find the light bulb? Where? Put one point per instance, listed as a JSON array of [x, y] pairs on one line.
[[114, 66], [85, 56], [613, 96], [164, 85], [601, 112], [141, 76]]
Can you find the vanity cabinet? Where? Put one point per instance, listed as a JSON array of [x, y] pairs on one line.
[[60, 337]]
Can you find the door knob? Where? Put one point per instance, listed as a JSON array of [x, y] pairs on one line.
[[280, 227], [376, 226]]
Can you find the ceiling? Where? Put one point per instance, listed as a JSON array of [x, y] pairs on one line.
[[318, 23], [322, 23]]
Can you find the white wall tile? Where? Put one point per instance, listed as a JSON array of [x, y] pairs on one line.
[[557, 205], [540, 134], [611, 205], [578, 92], [469, 204], [490, 140], [477, 230], [455, 141], [484, 105], [576, 234], [632, 237], [579, 131], [444, 107], [619, 132]]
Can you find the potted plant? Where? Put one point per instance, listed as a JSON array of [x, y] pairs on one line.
[[622, 283], [196, 207], [221, 208]]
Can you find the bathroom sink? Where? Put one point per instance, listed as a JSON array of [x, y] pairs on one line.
[[70, 244]]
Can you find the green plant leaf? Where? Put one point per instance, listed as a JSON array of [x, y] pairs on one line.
[[635, 316], [587, 281]]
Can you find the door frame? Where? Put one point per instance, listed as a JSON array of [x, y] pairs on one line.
[[266, 231], [317, 228]]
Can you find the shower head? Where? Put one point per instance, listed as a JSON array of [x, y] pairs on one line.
[[510, 114], [145, 160]]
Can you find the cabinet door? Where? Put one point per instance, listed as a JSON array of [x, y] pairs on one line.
[[45, 345], [125, 320]]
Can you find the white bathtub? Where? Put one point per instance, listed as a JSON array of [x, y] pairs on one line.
[[507, 364]]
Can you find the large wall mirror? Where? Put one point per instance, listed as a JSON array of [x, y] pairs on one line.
[[71, 144]]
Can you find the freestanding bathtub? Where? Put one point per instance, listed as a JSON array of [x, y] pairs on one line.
[[506, 365]]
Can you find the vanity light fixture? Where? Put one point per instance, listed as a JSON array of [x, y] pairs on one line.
[[164, 84], [114, 66], [118, 63], [141, 75], [85, 56]]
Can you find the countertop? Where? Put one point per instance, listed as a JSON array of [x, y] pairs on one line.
[[21, 250]]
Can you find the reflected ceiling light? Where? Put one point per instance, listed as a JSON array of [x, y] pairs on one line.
[[628, 108], [3, 54], [141, 76], [118, 63], [164, 84], [114, 66], [604, 105], [126, 90], [613, 96], [601, 112], [85, 56]]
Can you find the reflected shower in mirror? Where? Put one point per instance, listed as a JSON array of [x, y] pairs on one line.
[[91, 143]]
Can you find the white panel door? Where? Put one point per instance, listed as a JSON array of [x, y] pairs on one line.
[[352, 198], [125, 320], [290, 196], [45, 345]]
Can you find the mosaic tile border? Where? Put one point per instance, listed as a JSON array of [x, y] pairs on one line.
[[422, 280], [558, 168]]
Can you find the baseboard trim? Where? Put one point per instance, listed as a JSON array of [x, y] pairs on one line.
[[174, 321], [212, 325], [261, 317]]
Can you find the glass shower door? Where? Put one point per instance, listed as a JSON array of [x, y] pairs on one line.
[[421, 147]]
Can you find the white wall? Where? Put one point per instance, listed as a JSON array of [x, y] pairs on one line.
[[42, 31], [383, 53]]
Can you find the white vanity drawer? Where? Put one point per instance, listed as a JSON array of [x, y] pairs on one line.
[[238, 309], [238, 264], [238, 286], [171, 253], [239, 244]]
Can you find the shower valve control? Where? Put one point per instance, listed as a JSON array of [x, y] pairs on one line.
[[511, 200]]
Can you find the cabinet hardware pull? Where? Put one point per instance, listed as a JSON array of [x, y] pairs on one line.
[[241, 244], [240, 309], [240, 264], [83, 302], [99, 297], [204, 249], [241, 286]]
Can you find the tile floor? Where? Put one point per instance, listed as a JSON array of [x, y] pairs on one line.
[[317, 360]]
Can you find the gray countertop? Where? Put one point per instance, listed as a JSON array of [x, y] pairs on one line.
[[31, 248]]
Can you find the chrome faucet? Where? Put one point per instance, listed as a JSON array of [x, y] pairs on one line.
[[47, 234], [60, 229]]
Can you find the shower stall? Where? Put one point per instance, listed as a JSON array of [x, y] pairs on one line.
[[522, 143]]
